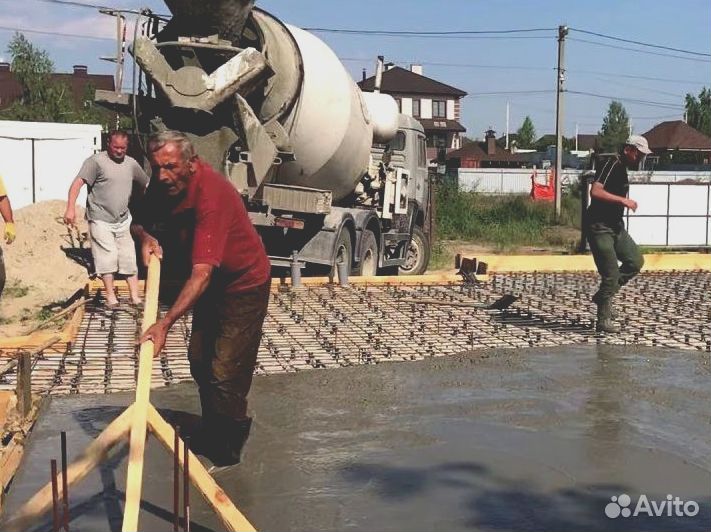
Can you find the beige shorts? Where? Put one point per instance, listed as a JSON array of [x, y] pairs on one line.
[[112, 248]]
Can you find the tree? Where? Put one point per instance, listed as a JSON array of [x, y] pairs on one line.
[[615, 128], [526, 134], [698, 111], [46, 100], [41, 100]]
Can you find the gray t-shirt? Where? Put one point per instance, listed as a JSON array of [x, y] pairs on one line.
[[110, 185]]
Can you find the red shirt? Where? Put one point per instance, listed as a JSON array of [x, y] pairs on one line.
[[222, 234]]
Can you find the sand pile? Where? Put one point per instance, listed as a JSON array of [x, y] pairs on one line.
[[45, 265]]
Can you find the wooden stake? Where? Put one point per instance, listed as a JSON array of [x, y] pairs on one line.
[[24, 384], [134, 479]]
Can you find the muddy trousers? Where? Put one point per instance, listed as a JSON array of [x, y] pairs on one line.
[[616, 256], [227, 330]]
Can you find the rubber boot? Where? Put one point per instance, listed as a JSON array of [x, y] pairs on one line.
[[604, 318], [227, 449]]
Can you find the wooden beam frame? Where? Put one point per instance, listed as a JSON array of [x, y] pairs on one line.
[[133, 424]]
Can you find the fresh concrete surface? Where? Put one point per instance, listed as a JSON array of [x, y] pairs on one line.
[[506, 440]]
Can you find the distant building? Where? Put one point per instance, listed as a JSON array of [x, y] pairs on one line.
[[486, 154], [77, 81], [436, 105], [676, 145]]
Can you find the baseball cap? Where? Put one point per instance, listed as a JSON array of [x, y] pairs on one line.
[[639, 142]]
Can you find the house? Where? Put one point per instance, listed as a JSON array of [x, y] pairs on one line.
[[436, 105], [77, 81], [676, 145], [486, 154]]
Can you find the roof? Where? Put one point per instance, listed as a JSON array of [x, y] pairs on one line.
[[676, 134], [11, 90], [441, 124], [587, 142], [400, 80], [477, 151]]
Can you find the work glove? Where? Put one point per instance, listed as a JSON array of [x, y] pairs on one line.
[[10, 233]]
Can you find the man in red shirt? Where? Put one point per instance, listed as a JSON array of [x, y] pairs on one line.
[[228, 286]]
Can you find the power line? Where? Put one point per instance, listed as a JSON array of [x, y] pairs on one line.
[[454, 65], [639, 51], [426, 33], [73, 3], [631, 76], [640, 43], [665, 105], [57, 34]]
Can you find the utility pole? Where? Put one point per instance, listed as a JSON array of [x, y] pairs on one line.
[[562, 33], [507, 124]]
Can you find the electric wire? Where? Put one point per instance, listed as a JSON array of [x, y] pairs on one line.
[[640, 43], [605, 45]]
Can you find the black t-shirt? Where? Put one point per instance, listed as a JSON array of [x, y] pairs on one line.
[[613, 177]]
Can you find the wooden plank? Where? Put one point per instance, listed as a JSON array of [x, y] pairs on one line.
[[93, 455], [139, 422], [69, 309], [231, 517], [11, 365], [26, 342]]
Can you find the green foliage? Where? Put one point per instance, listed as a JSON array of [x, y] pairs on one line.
[[526, 134], [698, 111], [15, 289], [503, 222], [615, 128], [46, 100]]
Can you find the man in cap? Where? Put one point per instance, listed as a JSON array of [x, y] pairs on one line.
[[609, 241]]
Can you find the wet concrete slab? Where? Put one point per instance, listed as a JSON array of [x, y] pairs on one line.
[[509, 440]]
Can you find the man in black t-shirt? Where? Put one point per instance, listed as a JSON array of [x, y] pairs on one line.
[[609, 242]]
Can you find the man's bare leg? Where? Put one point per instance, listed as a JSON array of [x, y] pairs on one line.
[[132, 282], [109, 292]]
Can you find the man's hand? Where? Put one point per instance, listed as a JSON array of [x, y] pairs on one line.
[[150, 246], [70, 216], [631, 204], [10, 233], [157, 333]]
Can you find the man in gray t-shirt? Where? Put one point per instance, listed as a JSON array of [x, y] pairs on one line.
[[110, 177]]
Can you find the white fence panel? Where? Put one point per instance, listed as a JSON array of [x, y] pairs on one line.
[[671, 214]]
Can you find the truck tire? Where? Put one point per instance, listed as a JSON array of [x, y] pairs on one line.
[[344, 252], [418, 254], [368, 263]]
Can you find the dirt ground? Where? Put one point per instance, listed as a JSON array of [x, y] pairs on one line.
[[45, 266]]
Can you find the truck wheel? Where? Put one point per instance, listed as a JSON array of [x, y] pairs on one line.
[[368, 264], [344, 252], [418, 254]]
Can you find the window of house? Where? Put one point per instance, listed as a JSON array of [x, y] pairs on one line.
[[439, 109], [437, 140], [416, 108]]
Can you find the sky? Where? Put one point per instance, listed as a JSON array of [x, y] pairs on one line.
[[495, 70]]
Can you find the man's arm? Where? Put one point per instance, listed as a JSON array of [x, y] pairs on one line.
[[6, 213], [70, 215], [599, 193], [192, 291]]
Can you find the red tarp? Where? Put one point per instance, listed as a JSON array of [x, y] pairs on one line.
[[543, 192]]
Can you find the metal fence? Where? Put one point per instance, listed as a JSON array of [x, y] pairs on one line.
[[502, 181]]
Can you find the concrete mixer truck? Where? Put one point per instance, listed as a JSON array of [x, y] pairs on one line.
[[329, 174]]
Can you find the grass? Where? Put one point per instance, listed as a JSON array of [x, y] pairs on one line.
[[15, 289], [504, 222]]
